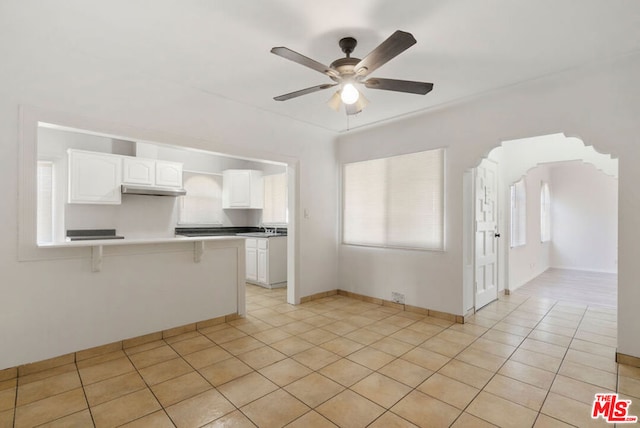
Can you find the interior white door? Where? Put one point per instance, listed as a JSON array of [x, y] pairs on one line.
[[486, 233]]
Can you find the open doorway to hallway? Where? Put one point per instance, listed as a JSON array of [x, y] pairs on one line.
[[576, 286], [556, 209]]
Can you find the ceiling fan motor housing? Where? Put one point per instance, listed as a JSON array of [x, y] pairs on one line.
[[344, 66], [348, 44]]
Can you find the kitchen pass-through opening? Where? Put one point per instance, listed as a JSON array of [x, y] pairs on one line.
[[198, 201]]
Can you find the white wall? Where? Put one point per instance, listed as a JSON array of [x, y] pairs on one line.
[[599, 105], [530, 260], [57, 304], [584, 218]]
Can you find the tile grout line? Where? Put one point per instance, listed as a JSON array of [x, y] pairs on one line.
[[84, 392], [373, 321], [15, 403], [561, 362], [349, 388], [147, 386], [496, 371], [388, 409], [508, 358], [311, 409]]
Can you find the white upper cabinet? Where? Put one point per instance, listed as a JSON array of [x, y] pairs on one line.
[[242, 188], [150, 172], [168, 174], [138, 171], [94, 178]]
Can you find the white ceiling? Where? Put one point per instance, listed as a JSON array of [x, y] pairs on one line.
[[220, 48]]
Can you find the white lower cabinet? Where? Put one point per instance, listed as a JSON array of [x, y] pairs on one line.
[[267, 261], [251, 246], [263, 264]]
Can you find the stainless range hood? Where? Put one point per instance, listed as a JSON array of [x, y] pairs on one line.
[[151, 191]]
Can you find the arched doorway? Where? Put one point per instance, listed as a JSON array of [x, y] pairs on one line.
[[514, 159]]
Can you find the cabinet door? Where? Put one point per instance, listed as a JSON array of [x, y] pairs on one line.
[[168, 174], [252, 264], [242, 188], [263, 266], [94, 178], [138, 171], [251, 254], [238, 187]]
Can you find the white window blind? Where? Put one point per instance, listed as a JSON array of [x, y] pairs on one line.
[[395, 201], [275, 199], [45, 201], [545, 213], [203, 202], [518, 214]]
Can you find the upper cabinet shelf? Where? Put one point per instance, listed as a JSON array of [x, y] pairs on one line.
[[242, 189]]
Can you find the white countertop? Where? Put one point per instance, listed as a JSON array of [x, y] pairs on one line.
[[136, 241]]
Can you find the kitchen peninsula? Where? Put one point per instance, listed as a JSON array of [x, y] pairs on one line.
[[151, 280]]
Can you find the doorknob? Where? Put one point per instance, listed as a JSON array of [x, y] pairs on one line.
[[497, 235]]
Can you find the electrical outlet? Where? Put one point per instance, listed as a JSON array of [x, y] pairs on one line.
[[397, 297]]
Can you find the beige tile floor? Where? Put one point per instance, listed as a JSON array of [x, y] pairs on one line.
[[522, 361]]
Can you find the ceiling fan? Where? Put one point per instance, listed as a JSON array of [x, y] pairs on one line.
[[348, 72]]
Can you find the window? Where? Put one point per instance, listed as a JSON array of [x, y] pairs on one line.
[[275, 199], [545, 213], [203, 202], [395, 202], [45, 201], [518, 214]]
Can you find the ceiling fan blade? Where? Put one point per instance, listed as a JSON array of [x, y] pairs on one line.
[[399, 85], [304, 91], [303, 60], [397, 43]]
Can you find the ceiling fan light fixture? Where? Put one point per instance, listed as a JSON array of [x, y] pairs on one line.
[[349, 94], [335, 102]]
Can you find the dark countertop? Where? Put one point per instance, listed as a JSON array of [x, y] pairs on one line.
[[222, 231]]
